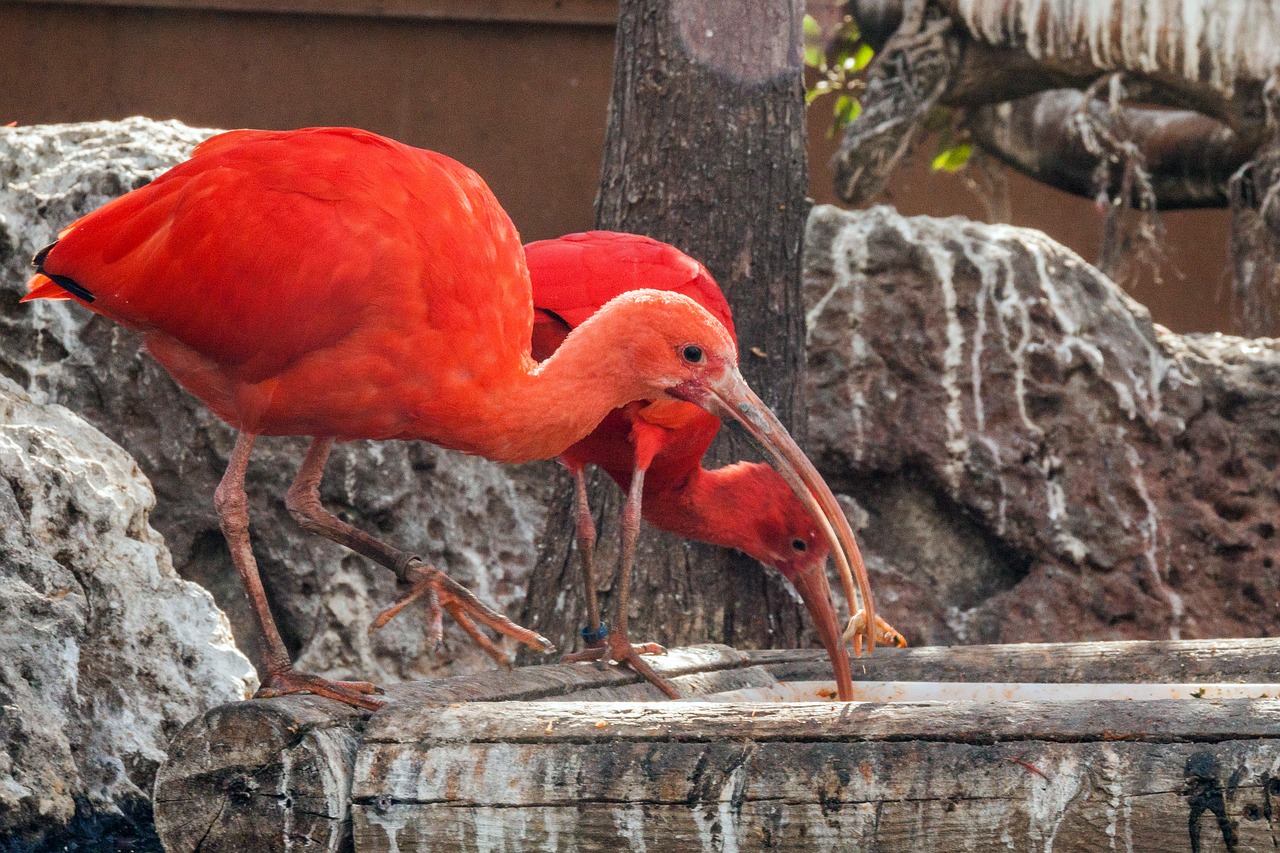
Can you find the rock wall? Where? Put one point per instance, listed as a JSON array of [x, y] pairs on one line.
[[1037, 459], [474, 518], [104, 651]]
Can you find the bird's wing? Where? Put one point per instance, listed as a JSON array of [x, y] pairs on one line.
[[266, 247], [574, 276]]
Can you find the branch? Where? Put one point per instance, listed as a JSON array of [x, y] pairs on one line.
[[910, 73], [1190, 157], [1221, 73]]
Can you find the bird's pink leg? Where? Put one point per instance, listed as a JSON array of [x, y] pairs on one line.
[[441, 591], [593, 634], [618, 646], [280, 677]]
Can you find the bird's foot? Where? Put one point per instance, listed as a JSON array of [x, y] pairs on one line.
[[616, 647], [592, 638], [886, 634], [445, 595], [282, 682]]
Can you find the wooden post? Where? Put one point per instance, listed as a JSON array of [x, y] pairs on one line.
[[561, 757], [260, 776], [705, 149]]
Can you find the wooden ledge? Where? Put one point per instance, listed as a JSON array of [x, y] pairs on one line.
[[565, 757]]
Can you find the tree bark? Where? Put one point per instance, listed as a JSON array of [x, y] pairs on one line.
[[1194, 132], [705, 149], [1189, 156]]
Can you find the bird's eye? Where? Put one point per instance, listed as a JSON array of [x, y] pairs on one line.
[[800, 545], [692, 354]]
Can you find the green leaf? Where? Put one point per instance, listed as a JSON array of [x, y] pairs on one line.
[[952, 159], [846, 109], [862, 57], [812, 42]]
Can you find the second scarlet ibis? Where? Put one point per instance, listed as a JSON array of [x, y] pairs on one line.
[[333, 283], [653, 450]]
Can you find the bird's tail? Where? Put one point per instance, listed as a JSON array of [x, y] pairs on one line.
[[49, 286], [42, 287]]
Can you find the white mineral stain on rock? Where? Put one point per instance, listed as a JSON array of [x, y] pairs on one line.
[[104, 651]]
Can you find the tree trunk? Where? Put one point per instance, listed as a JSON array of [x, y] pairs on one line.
[[705, 149]]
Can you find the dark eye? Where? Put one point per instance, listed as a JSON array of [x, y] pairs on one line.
[[800, 545], [692, 354]]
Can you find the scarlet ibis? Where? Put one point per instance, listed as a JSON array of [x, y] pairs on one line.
[[333, 283], [660, 443]]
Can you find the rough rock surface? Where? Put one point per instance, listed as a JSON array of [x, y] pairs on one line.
[[476, 519], [1038, 460], [104, 651]]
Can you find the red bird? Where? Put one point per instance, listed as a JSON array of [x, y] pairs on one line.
[[747, 506], [332, 283]]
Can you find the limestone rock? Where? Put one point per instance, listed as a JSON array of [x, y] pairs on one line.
[[104, 651], [1039, 460], [476, 519]]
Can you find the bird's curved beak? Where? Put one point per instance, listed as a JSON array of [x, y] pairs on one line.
[[811, 582], [729, 397]]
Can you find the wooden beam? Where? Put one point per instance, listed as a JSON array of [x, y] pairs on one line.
[[600, 13], [1128, 661], [409, 729], [891, 797], [555, 757]]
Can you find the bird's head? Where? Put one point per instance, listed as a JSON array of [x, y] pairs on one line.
[[762, 517], [755, 511], [776, 528], [673, 345]]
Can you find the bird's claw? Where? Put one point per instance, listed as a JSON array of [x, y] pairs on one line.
[[620, 650], [445, 595], [886, 634], [282, 682]]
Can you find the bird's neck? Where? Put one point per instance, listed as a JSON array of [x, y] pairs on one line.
[[552, 405], [706, 506]]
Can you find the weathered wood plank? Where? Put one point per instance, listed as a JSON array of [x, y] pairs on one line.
[[442, 770], [1129, 661], [1167, 721], [692, 685], [885, 796], [687, 667]]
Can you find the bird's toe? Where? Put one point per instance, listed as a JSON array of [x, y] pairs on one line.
[[358, 694]]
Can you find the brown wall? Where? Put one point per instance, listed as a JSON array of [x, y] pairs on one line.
[[520, 95], [522, 103]]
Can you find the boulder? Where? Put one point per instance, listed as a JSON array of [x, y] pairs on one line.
[[104, 651], [476, 519], [1038, 460]]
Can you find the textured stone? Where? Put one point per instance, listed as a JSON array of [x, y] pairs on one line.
[[1039, 461], [104, 651], [476, 519]]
